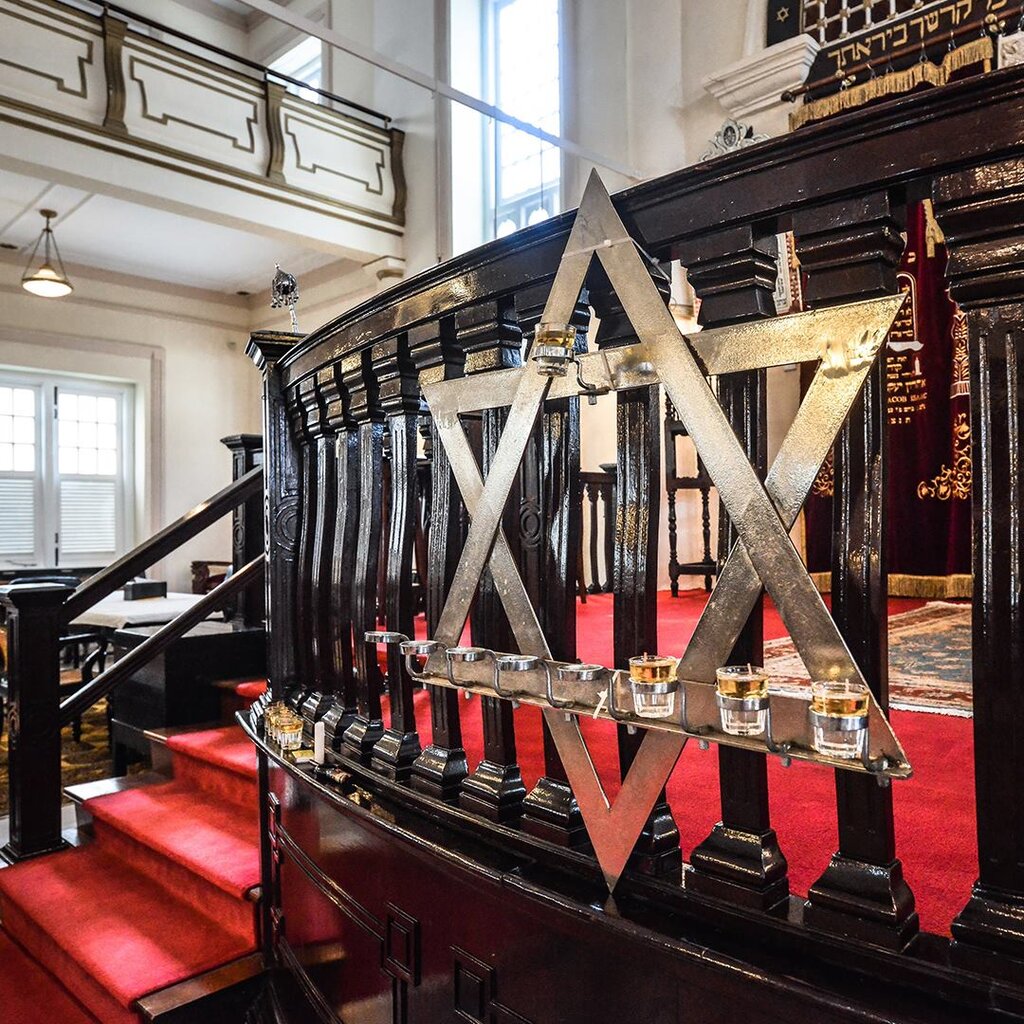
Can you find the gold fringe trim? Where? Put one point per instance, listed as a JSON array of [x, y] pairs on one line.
[[959, 585], [896, 82]]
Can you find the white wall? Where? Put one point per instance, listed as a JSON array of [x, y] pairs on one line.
[[184, 352]]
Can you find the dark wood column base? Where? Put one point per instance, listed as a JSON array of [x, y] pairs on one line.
[[988, 934], [9, 854], [394, 753], [494, 791], [745, 868], [336, 721], [439, 772], [657, 851], [312, 709], [362, 736], [550, 812], [869, 902]]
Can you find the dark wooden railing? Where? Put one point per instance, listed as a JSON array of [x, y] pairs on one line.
[[37, 615], [842, 188], [598, 496]]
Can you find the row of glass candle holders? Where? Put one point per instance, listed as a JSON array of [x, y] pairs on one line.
[[283, 726], [839, 709]]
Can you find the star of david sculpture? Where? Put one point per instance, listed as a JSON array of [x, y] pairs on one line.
[[845, 342]]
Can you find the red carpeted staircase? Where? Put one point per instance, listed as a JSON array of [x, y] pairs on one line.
[[163, 891]]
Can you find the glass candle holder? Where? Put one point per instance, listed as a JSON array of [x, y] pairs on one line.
[[272, 720], [553, 346], [290, 731], [839, 717], [742, 697], [654, 684]]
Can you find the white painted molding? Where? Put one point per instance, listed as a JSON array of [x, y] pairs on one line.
[[751, 89]]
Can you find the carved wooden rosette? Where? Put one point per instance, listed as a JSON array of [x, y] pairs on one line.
[[851, 250], [980, 212], [359, 380], [399, 398], [733, 272], [490, 338], [441, 767], [635, 566], [281, 512], [338, 641]]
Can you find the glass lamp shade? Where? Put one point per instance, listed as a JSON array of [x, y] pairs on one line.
[[47, 283], [47, 278]]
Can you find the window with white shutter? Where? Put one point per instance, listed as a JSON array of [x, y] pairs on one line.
[[66, 482]]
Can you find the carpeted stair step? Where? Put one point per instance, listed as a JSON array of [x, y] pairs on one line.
[[201, 848], [30, 995], [108, 931], [222, 762]]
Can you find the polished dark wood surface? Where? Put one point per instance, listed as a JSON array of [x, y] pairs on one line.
[[483, 902]]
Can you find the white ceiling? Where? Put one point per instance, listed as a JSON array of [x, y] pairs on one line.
[[95, 230]]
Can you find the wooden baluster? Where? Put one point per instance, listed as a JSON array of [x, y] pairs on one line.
[[550, 473], [490, 338], [980, 213], [851, 250], [367, 727], [339, 665], [324, 477], [247, 525], [440, 769], [34, 620], [733, 272], [399, 397], [635, 566], [593, 496], [281, 511], [303, 412], [607, 490]]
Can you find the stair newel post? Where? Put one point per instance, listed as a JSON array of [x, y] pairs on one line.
[[399, 396], [550, 533], [367, 727], [491, 339], [733, 273], [339, 663], [441, 767], [35, 617], [851, 250], [635, 560], [981, 212], [281, 485], [247, 523]]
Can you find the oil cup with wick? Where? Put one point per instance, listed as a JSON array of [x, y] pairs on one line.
[[741, 693], [654, 684]]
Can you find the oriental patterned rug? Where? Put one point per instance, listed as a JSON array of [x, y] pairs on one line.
[[929, 660], [85, 761]]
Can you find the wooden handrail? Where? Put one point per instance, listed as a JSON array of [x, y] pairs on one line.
[[84, 698], [161, 544]]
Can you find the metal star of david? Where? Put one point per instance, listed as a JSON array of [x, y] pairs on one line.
[[844, 341]]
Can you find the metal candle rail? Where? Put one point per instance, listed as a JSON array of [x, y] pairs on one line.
[[598, 692]]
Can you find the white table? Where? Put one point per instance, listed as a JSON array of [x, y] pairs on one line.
[[114, 612]]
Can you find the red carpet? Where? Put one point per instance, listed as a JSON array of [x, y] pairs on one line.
[[158, 896], [29, 995]]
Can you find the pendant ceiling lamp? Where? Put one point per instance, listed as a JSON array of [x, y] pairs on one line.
[[46, 277]]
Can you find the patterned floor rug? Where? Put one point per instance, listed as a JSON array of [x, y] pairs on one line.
[[929, 659], [84, 761]]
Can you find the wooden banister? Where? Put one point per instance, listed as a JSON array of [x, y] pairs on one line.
[[83, 699], [161, 544]]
